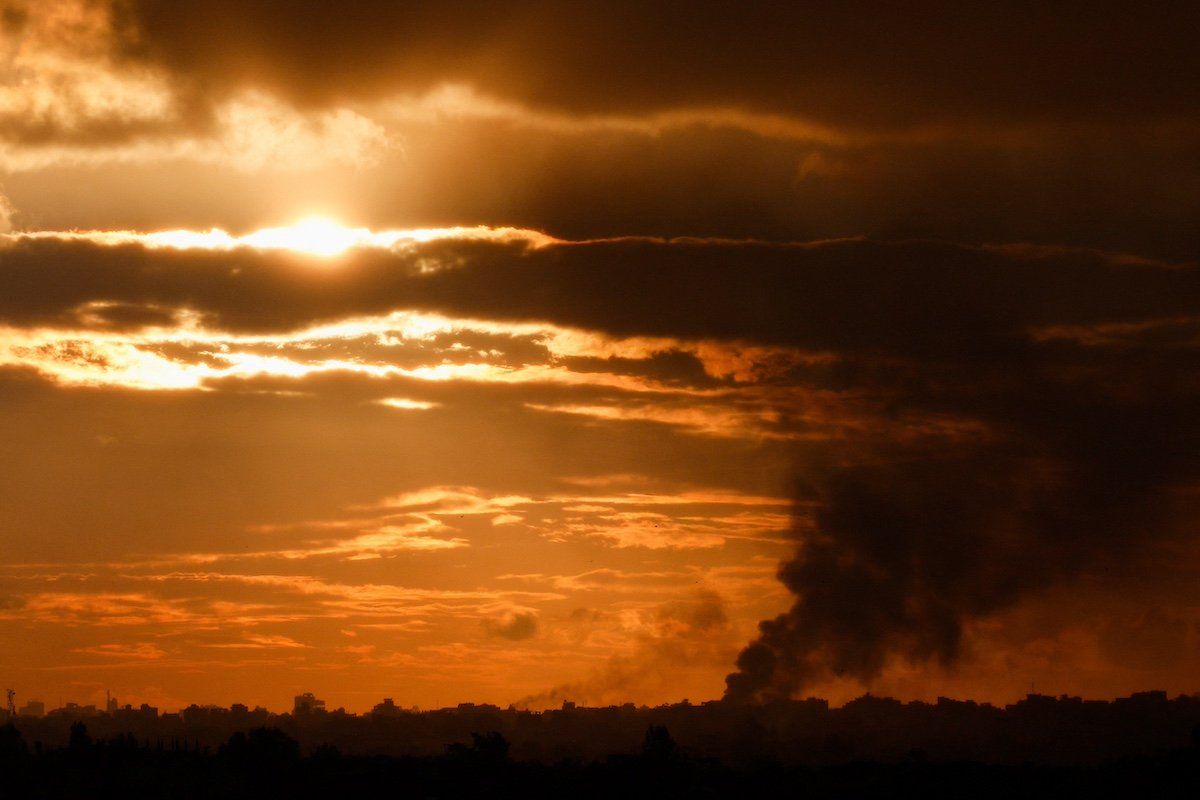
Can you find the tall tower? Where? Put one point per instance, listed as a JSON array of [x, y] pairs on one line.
[[11, 704]]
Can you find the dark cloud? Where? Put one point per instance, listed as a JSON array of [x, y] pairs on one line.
[[857, 64], [515, 626], [1106, 187], [1110, 188], [850, 295]]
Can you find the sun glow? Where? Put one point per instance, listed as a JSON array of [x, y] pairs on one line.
[[316, 236]]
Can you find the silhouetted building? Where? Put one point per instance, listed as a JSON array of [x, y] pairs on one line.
[[387, 708], [307, 703], [1143, 700], [74, 710], [34, 708]]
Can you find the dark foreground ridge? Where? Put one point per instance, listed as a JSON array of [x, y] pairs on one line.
[[1143, 745]]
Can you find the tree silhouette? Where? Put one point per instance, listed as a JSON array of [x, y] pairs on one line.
[[12, 744], [261, 748], [486, 748], [79, 737], [658, 746]]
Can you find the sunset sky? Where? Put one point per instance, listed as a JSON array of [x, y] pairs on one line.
[[505, 352]]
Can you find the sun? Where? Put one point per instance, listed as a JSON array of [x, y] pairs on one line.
[[318, 236]]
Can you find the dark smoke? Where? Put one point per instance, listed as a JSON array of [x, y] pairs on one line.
[[1078, 473]]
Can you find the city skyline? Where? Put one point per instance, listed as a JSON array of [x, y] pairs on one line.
[[307, 703]]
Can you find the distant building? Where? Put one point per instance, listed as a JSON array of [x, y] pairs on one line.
[[110, 703], [34, 708], [194, 713], [1142, 700], [387, 708], [74, 710], [239, 708], [128, 713], [307, 703]]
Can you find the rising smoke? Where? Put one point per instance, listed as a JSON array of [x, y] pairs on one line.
[[1080, 463]]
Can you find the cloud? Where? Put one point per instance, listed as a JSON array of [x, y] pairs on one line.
[[978, 128], [686, 519], [312, 236], [514, 626], [68, 100], [120, 72], [370, 599], [139, 651], [6, 214], [406, 404], [261, 642], [714, 422], [103, 609], [972, 67], [812, 296]]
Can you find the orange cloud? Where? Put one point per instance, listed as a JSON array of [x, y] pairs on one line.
[[261, 642], [140, 650]]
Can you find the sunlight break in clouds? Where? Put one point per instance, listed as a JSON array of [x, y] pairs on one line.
[[315, 235], [405, 404], [179, 349], [187, 357], [689, 519]]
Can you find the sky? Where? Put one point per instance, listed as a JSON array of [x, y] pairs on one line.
[[527, 352]]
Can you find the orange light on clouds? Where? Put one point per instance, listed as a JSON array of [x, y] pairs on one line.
[[406, 404], [314, 235]]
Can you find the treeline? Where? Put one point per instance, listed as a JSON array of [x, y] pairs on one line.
[[268, 763]]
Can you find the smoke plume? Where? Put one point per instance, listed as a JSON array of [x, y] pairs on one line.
[[1081, 461]]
